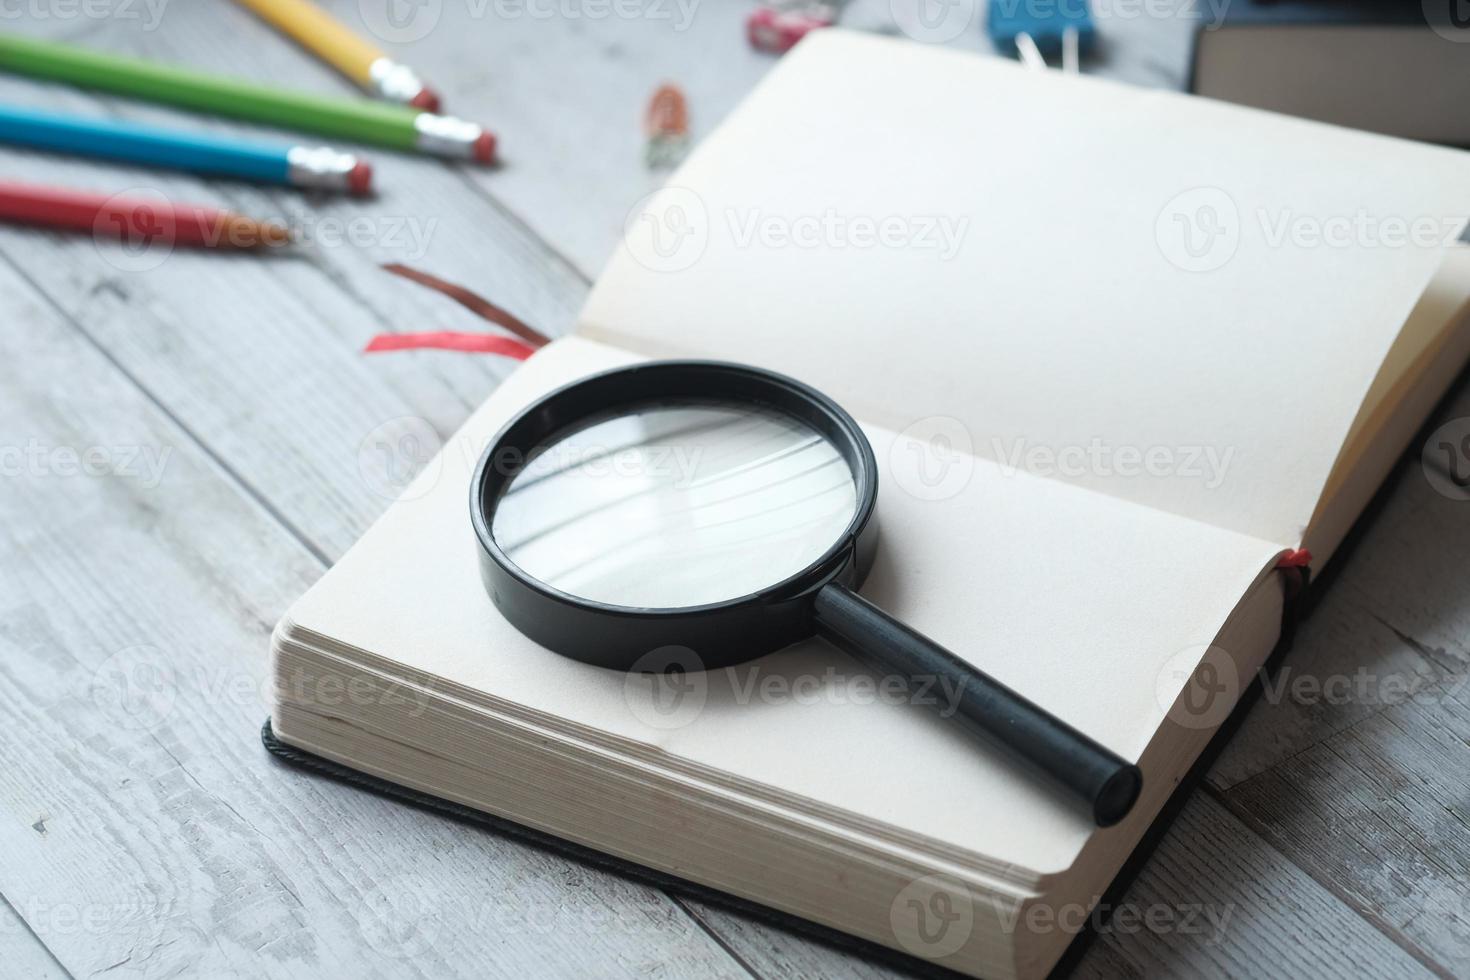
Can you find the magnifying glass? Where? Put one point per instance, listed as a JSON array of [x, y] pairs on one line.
[[727, 510]]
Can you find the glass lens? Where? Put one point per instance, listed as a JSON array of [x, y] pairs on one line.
[[676, 506]]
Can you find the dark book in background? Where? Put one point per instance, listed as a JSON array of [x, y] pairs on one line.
[[1400, 67]]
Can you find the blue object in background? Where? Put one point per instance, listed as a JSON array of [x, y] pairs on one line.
[[1044, 20]]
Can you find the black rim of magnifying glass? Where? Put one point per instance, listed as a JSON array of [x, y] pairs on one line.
[[711, 635]]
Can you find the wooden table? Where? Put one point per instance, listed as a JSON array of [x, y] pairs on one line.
[[223, 409]]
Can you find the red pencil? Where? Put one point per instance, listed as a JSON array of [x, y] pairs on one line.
[[135, 218]]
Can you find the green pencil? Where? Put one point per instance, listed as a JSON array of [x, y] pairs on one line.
[[358, 120]]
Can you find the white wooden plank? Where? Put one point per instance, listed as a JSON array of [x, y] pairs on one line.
[[25, 954], [1216, 901], [1345, 666], [1379, 812], [775, 953], [135, 606]]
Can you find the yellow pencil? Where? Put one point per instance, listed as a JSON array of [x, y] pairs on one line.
[[322, 34]]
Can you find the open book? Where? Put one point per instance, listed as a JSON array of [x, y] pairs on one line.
[[1117, 352]]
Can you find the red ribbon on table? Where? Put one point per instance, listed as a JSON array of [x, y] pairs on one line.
[[471, 343]]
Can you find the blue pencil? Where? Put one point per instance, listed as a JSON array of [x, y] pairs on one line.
[[154, 146]]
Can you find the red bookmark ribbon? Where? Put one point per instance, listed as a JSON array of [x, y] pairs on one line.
[[1300, 558], [1296, 569], [472, 343]]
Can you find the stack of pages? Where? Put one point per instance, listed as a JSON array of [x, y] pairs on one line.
[[1117, 351]]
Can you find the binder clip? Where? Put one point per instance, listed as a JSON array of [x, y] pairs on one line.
[[776, 27], [666, 124]]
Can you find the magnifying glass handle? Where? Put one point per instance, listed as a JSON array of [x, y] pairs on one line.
[[1067, 758]]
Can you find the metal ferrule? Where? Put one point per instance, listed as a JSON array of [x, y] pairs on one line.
[[447, 136], [319, 166], [395, 82]]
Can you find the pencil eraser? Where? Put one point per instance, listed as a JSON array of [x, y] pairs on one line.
[[360, 179], [485, 148], [427, 100]]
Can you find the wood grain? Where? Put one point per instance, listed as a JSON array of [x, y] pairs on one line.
[[1217, 901], [25, 954], [137, 609]]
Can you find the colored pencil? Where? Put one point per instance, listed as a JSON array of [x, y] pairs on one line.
[[330, 40], [134, 217], [359, 120], [154, 146]]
